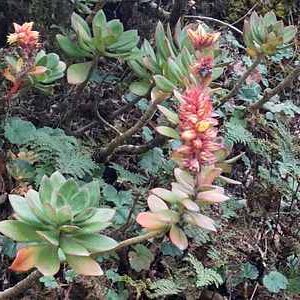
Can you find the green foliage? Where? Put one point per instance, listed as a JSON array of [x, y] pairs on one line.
[[249, 271], [164, 287], [54, 150], [107, 38], [141, 258], [236, 131], [60, 221], [275, 281], [205, 276], [265, 35], [49, 282], [123, 201], [127, 176], [199, 235]]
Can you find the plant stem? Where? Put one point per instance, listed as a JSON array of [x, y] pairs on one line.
[[240, 82], [102, 154], [31, 279], [214, 20], [134, 240], [22, 286], [269, 93]]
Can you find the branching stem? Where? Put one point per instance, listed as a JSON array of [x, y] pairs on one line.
[[240, 82], [269, 93], [104, 153]]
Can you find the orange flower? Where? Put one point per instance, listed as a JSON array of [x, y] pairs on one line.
[[24, 36], [202, 39], [197, 130]]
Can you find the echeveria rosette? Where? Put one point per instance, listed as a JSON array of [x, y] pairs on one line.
[[171, 209], [58, 223], [264, 35]]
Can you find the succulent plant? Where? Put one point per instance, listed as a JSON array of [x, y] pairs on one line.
[[170, 64], [265, 34], [60, 222], [107, 38], [40, 72], [171, 209], [54, 69]]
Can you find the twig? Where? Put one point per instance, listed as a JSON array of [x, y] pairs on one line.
[[125, 107], [106, 123], [214, 20], [254, 291], [104, 153], [269, 93], [20, 287], [240, 82], [245, 15], [133, 149]]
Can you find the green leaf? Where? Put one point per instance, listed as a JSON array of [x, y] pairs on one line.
[[164, 84], [93, 189], [152, 161], [71, 247], [217, 72], [84, 265], [47, 260], [168, 131], [141, 258], [249, 271], [140, 88], [99, 25], [79, 73], [19, 231], [275, 281], [49, 282], [96, 242], [19, 132], [289, 33], [66, 192], [49, 236], [70, 48], [169, 114], [23, 210]]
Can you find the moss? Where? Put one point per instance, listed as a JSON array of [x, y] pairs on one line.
[[238, 8]]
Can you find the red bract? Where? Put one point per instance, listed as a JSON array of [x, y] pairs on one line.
[[197, 129]]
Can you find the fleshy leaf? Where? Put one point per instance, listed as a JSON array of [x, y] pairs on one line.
[[19, 231], [178, 237], [211, 196], [156, 204], [200, 221], [25, 259], [79, 73], [84, 265], [150, 220]]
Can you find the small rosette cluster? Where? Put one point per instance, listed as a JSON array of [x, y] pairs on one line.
[[171, 210], [30, 67], [60, 222], [264, 35], [107, 38]]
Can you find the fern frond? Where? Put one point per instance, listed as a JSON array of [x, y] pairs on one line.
[[237, 133], [204, 276], [164, 287], [125, 175]]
